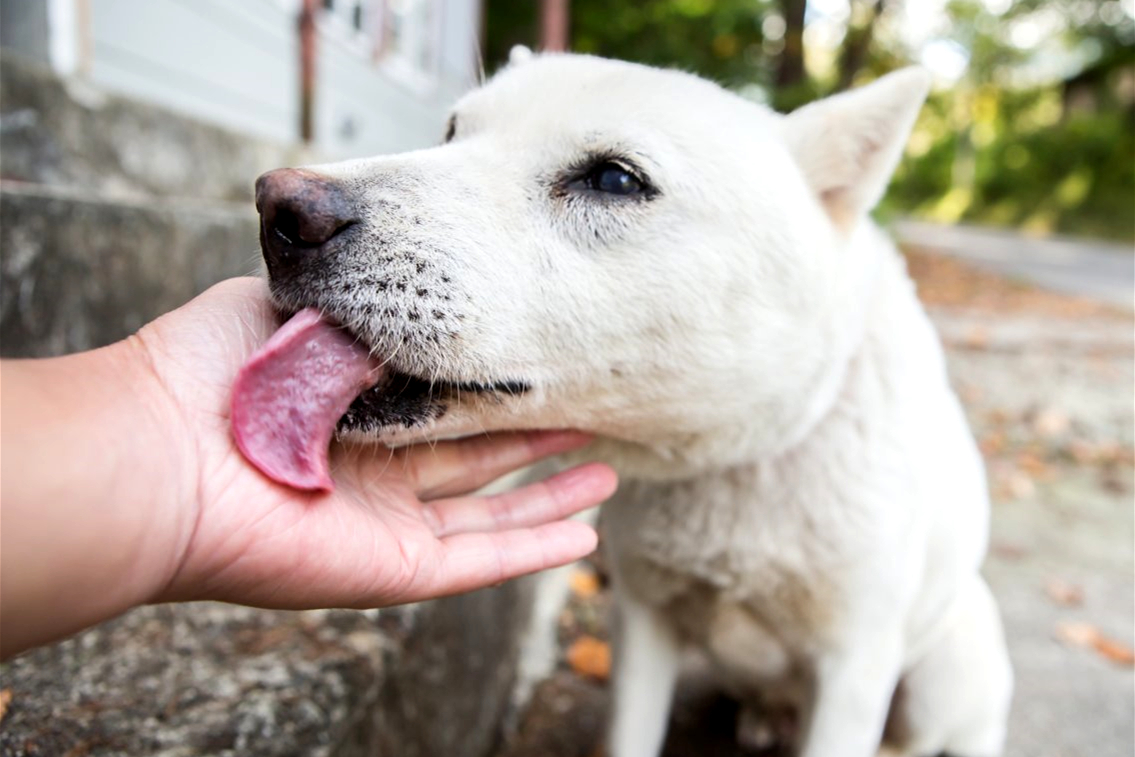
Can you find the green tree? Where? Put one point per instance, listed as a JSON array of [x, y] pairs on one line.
[[1038, 131]]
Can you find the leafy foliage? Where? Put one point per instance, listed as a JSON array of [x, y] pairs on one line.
[[1038, 131]]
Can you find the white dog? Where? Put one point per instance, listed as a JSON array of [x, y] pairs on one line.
[[692, 277]]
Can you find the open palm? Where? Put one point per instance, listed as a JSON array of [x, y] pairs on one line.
[[400, 526]]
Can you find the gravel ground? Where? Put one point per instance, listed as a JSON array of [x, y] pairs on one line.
[[1047, 381]]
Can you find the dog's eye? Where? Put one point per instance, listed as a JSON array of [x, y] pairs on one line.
[[614, 179], [607, 179], [451, 129]]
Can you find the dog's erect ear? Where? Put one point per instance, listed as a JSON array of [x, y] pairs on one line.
[[519, 54], [848, 144]]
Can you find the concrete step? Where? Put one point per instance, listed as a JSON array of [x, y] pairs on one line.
[[67, 132], [79, 271]]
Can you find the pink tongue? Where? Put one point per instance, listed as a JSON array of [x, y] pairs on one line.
[[290, 394]]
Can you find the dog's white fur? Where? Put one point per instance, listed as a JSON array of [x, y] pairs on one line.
[[801, 498]]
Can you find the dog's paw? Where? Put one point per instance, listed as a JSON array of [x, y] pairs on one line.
[[764, 730]]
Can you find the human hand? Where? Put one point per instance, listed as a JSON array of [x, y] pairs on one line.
[[122, 484], [400, 525]]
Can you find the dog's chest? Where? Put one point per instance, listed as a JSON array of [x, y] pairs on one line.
[[732, 556]]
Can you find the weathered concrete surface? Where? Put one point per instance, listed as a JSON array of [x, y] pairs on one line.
[[197, 679], [77, 272], [431, 680], [65, 132], [112, 211], [24, 27], [448, 686], [1051, 400]]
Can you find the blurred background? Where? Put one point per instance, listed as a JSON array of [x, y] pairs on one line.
[[131, 132], [1030, 124], [1032, 119]]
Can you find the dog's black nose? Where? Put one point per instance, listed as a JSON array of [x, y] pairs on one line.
[[300, 212]]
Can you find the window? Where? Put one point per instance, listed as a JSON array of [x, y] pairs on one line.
[[352, 23], [411, 35], [403, 36]]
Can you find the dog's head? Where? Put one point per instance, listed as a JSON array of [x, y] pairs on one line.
[[597, 245]]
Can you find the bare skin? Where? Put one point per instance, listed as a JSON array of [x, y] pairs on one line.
[[121, 485]]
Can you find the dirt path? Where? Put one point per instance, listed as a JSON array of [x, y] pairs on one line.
[[1047, 382], [1048, 385], [1104, 271]]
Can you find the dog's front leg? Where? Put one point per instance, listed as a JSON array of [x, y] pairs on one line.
[[646, 668], [852, 697]]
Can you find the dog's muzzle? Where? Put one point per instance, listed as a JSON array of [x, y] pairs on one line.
[[302, 216]]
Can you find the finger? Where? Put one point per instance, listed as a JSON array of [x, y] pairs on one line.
[[474, 561], [554, 498], [463, 465]]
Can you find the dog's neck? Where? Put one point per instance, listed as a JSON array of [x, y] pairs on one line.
[[873, 305]]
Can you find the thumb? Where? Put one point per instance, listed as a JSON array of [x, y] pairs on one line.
[[205, 342], [217, 330]]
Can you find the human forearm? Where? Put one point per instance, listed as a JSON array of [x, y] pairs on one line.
[[91, 504]]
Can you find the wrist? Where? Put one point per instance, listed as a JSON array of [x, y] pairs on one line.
[[165, 494], [94, 499]]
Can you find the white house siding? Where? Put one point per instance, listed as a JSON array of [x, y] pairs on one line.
[[236, 63], [368, 107]]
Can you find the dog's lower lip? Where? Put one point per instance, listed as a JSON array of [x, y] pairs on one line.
[[443, 388], [403, 398], [513, 388]]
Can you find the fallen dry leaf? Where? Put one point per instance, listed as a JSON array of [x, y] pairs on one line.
[[1019, 485], [993, 443], [589, 656], [5, 699], [1076, 634], [1114, 651], [970, 394], [977, 338], [584, 583], [1086, 635], [1032, 464], [1008, 551], [1050, 422], [1064, 593]]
